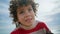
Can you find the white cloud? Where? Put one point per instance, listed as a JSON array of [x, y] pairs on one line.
[[55, 29], [8, 26], [4, 5], [46, 7], [4, 8]]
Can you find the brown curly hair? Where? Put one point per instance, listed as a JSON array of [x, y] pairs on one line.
[[19, 3]]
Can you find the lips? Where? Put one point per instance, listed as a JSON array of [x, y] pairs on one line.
[[28, 19]]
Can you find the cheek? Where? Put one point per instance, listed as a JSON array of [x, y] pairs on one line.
[[20, 18], [33, 14]]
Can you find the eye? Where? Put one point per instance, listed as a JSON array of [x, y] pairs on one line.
[[21, 12], [30, 9]]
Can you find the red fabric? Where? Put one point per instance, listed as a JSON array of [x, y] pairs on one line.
[[23, 31]]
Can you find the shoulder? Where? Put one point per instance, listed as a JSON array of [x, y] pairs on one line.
[[15, 31], [41, 23]]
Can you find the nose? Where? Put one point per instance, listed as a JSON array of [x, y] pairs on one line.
[[27, 14]]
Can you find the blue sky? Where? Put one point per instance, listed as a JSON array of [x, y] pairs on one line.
[[48, 11]]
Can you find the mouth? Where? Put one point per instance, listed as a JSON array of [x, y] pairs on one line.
[[28, 20]]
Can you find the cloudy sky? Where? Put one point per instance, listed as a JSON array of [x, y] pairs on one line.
[[48, 11]]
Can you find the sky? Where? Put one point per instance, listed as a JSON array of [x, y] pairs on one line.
[[47, 11]]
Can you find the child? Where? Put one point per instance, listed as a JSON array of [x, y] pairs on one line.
[[23, 13]]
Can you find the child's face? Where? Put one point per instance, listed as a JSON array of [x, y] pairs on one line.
[[26, 15]]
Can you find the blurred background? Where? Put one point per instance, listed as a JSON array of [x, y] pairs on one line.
[[48, 11]]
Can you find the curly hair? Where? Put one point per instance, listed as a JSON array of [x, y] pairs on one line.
[[14, 4]]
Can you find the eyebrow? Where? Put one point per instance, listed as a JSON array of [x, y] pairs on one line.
[[19, 9]]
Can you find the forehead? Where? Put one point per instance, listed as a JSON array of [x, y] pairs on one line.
[[24, 7]]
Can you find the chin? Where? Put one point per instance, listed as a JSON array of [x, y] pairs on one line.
[[28, 25]]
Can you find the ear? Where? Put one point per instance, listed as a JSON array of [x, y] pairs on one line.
[[17, 24], [35, 13]]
